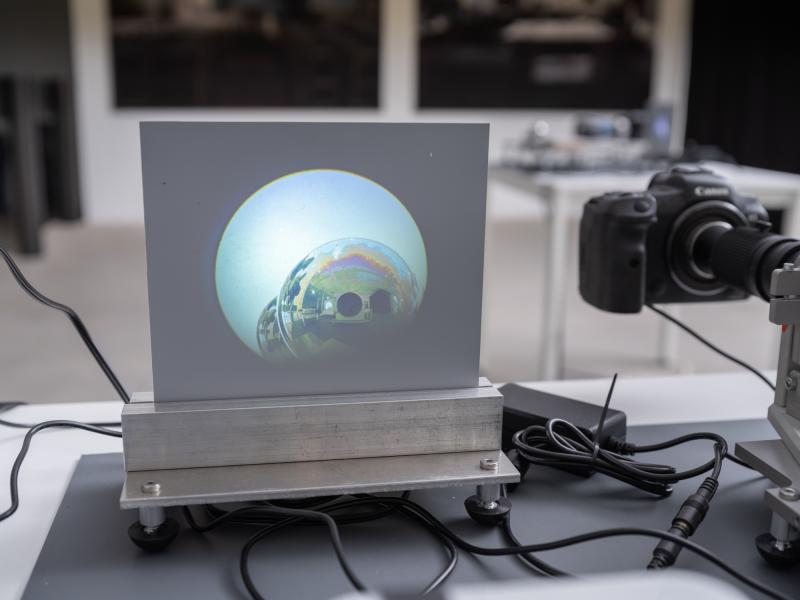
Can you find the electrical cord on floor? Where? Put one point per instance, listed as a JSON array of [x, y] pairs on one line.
[[74, 319], [710, 345], [26, 442]]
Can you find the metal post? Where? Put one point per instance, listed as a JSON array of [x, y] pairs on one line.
[[488, 495], [151, 518]]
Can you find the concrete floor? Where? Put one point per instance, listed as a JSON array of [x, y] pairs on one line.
[[100, 271]]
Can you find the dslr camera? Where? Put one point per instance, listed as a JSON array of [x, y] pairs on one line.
[[689, 238]]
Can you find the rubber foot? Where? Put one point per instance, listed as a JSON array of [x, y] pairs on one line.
[[154, 541], [488, 516], [777, 558]]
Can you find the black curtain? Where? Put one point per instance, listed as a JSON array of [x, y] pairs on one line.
[[744, 94]]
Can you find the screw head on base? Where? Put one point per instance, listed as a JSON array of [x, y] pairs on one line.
[[153, 488], [789, 493], [489, 464]]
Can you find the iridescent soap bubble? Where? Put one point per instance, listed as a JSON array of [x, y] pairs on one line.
[[343, 295], [291, 221]]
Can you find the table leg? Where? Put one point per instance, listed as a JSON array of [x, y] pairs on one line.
[[551, 354], [27, 201], [668, 339]]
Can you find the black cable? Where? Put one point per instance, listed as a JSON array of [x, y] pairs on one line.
[[16, 425], [701, 551], [713, 347], [72, 316], [534, 562], [251, 588], [250, 515], [34, 428], [7, 406], [425, 517], [301, 513], [245, 554], [561, 444], [26, 442], [262, 515]]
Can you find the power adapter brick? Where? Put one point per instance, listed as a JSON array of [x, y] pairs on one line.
[[524, 407]]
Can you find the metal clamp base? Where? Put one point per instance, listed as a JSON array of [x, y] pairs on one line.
[[215, 433], [772, 459], [183, 487]]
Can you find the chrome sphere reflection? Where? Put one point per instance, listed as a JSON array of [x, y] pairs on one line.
[[342, 295]]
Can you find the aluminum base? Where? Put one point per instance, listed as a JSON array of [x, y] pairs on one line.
[[216, 433], [183, 487]]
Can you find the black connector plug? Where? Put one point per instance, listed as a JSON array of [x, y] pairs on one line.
[[685, 523]]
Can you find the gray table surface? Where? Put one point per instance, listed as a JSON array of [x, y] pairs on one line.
[[87, 553]]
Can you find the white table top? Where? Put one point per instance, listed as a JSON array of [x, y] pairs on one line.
[[740, 176], [53, 454]]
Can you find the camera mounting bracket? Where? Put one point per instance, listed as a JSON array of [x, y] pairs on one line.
[[779, 460]]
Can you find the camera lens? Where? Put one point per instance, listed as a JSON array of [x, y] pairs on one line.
[[689, 247], [700, 244], [745, 258]]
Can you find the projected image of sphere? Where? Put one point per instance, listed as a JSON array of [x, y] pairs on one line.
[[318, 263], [343, 294]]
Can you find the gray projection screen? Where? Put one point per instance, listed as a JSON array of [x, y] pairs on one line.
[[313, 258]]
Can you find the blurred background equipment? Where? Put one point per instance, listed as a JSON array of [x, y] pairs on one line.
[[245, 53], [38, 162], [519, 54], [631, 141]]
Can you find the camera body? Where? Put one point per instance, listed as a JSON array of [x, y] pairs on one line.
[[656, 246]]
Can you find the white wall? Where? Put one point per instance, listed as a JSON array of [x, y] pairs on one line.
[[108, 137]]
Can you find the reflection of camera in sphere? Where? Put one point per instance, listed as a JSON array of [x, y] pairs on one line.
[[344, 294]]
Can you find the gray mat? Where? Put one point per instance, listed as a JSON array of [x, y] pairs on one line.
[[88, 555]]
